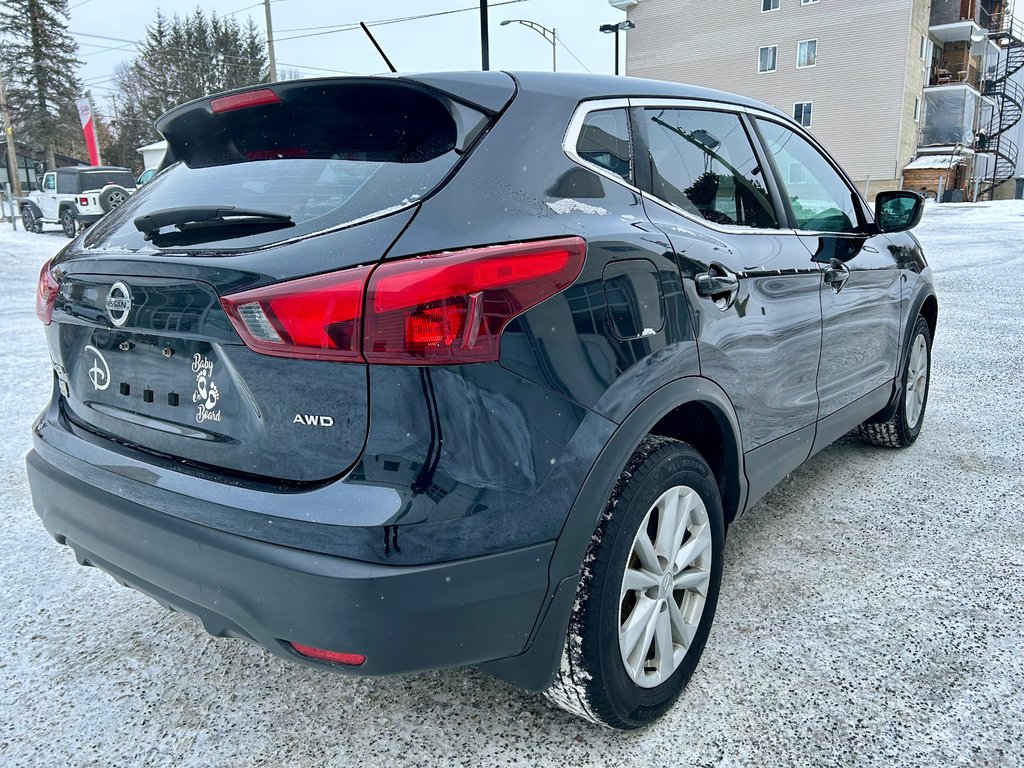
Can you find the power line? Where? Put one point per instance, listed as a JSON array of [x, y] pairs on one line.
[[334, 29], [569, 50]]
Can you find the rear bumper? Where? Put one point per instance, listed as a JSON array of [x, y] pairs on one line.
[[402, 618]]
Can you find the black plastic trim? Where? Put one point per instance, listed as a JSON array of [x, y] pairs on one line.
[[403, 618]]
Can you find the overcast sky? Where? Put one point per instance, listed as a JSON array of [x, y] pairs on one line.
[[445, 42]]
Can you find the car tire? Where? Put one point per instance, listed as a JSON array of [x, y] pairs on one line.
[[29, 221], [69, 222], [112, 196], [902, 429], [611, 672]]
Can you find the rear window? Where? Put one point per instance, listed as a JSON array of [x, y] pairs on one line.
[[326, 156], [99, 179]]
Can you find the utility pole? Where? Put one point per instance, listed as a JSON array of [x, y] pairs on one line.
[[12, 152], [485, 45], [270, 42]]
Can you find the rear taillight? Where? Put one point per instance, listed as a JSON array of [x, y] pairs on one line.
[[315, 317], [83, 201], [446, 308], [335, 657], [452, 307], [46, 294]]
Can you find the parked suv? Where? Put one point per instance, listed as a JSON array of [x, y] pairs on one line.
[[75, 197], [393, 374]]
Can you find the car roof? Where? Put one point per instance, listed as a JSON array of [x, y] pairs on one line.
[[590, 86], [493, 88]]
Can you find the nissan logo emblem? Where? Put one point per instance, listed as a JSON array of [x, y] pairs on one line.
[[119, 303]]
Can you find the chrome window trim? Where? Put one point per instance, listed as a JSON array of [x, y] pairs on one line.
[[572, 136], [575, 126]]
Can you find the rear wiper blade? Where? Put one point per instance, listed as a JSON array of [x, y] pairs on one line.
[[150, 224]]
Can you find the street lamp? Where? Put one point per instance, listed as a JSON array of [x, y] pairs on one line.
[[551, 35], [614, 29]]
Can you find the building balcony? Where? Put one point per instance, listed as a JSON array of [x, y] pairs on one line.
[[955, 73], [950, 117], [949, 13]]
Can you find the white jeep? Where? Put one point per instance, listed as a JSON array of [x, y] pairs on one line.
[[75, 197]]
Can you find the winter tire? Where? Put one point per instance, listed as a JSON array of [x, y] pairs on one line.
[[28, 220], [902, 429], [112, 196], [648, 592], [68, 222]]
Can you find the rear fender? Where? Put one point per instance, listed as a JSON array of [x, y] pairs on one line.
[[536, 667]]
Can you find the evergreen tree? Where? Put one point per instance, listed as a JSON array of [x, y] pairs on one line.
[[179, 60], [188, 58], [40, 60]]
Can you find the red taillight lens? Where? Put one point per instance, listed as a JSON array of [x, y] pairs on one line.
[[315, 317], [452, 307], [349, 659], [446, 308], [46, 294], [83, 200], [242, 100]]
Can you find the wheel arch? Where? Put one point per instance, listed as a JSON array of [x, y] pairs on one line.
[[929, 310], [32, 206], [926, 305], [693, 409]]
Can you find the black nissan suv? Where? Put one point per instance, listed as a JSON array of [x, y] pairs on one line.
[[392, 374]]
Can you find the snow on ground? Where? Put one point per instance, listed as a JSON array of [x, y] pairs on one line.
[[871, 613]]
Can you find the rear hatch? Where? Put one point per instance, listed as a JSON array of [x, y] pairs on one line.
[[326, 175]]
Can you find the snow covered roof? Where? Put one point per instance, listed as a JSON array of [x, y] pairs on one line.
[[934, 161]]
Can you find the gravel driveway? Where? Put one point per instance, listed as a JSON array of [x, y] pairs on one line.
[[872, 611]]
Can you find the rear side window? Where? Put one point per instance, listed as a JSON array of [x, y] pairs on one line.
[[325, 156], [604, 142], [704, 163], [100, 179]]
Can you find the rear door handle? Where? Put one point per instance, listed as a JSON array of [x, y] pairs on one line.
[[836, 275], [718, 284]]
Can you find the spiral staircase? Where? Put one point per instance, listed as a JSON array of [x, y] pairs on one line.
[[1008, 96]]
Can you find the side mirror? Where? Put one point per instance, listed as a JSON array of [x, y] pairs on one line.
[[898, 211]]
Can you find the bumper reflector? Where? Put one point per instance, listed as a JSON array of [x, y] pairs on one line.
[[335, 657]]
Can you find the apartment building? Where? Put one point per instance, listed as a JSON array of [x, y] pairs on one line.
[[882, 83]]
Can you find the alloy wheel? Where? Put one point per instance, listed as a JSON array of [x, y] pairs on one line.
[[917, 381], [665, 586], [68, 224], [116, 198]]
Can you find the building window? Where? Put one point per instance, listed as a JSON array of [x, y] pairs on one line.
[[802, 113], [924, 47], [769, 5], [797, 174], [768, 58], [809, 2], [807, 53], [917, 110]]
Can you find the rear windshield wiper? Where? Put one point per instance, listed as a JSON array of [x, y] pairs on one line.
[[207, 215]]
